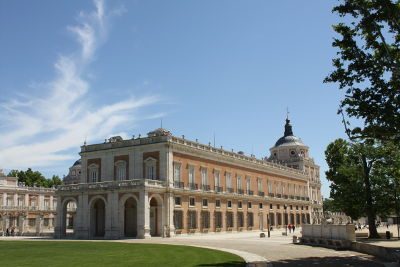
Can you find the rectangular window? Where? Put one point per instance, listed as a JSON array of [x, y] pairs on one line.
[[229, 204], [177, 172], [192, 201], [205, 219], [229, 219], [239, 204], [178, 201], [205, 202], [218, 219], [250, 219], [228, 180], [260, 206], [192, 219], [239, 182], [217, 181], [240, 219], [278, 206], [269, 187], [217, 203], [259, 185], [204, 180], [248, 182], [270, 206], [178, 219], [249, 205], [191, 174]]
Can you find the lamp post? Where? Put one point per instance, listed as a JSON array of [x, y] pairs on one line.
[[285, 207], [269, 233]]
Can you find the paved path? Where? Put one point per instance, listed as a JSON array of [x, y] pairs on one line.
[[278, 249]]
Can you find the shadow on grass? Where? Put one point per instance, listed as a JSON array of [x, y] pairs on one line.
[[226, 264], [353, 261]]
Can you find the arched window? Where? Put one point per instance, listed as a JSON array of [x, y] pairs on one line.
[[120, 167], [93, 173]]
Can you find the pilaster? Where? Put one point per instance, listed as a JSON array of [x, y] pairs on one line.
[[143, 215]]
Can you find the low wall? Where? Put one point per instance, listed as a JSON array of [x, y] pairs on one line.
[[329, 231]]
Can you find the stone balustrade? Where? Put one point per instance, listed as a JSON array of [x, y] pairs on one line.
[[112, 185]]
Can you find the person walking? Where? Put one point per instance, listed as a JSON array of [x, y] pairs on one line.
[[293, 228], [7, 232], [12, 231]]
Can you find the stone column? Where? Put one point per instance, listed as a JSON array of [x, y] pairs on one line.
[[59, 229], [223, 215], [143, 215], [4, 199], [112, 227], [26, 204], [169, 216], [199, 220], [15, 199], [212, 220], [21, 226], [39, 225], [235, 226], [82, 219]]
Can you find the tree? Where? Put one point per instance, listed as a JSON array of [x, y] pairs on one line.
[[368, 67], [358, 186], [35, 178]]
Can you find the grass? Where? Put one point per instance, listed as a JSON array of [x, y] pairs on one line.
[[87, 254]]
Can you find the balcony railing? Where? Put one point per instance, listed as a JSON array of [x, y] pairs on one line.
[[297, 197], [240, 191], [261, 193], [291, 197], [218, 189], [271, 194], [205, 187], [112, 185], [193, 186], [278, 195], [249, 192], [230, 190], [285, 196], [26, 208], [178, 184]]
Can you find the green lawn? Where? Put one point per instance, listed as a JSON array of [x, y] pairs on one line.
[[87, 254]]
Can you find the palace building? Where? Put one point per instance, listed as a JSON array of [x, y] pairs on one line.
[[163, 185], [27, 210]]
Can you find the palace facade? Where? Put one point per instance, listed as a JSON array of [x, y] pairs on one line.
[[27, 210], [163, 185]]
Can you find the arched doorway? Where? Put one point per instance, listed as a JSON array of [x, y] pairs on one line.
[[98, 218], [130, 218], [68, 222], [155, 217]]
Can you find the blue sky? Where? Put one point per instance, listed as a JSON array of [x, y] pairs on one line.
[[76, 70]]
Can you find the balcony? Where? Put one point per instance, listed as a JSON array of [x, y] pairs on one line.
[[285, 196], [271, 194], [112, 185], [261, 194], [178, 184], [218, 189], [249, 192], [230, 190], [291, 197], [193, 186], [297, 197], [205, 187], [240, 191], [279, 195]]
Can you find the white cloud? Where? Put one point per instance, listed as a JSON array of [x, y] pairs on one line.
[[39, 131]]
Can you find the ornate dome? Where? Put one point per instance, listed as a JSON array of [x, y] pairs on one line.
[[288, 139], [78, 162]]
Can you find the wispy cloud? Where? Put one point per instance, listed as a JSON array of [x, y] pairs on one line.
[[39, 130]]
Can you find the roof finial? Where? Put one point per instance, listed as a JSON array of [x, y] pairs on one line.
[[287, 113]]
